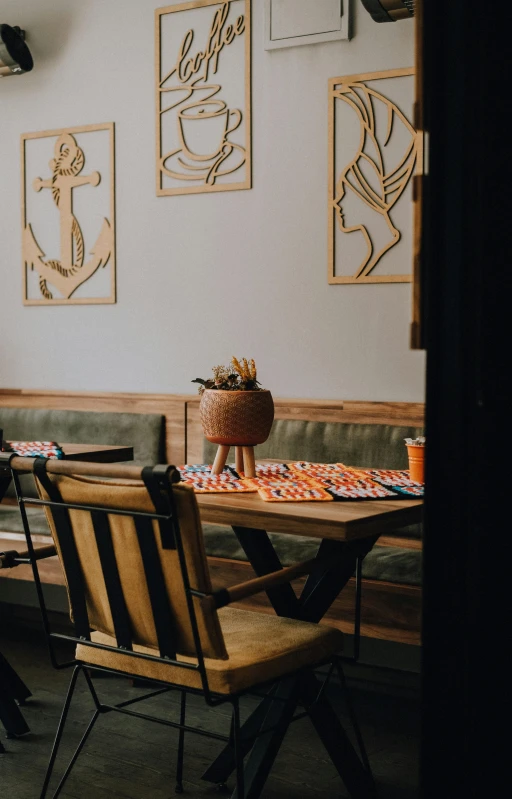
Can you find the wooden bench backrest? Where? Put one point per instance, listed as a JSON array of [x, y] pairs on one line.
[[184, 438]]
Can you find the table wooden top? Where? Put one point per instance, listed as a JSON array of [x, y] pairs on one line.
[[345, 521], [97, 453]]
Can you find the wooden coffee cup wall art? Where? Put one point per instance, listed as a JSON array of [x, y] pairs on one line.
[[374, 151], [203, 96], [68, 216]]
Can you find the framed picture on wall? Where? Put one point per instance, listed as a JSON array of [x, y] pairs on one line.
[[374, 152], [68, 216], [295, 23], [203, 97]]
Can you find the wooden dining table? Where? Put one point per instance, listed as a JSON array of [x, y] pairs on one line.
[[347, 531], [12, 687]]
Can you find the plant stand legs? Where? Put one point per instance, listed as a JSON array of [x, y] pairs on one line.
[[244, 460], [239, 459], [220, 459], [249, 464]]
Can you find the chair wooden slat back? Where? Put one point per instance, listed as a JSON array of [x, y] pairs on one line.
[[123, 569]]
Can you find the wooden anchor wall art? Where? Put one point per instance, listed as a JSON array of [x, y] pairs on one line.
[[374, 151], [68, 216], [203, 96]]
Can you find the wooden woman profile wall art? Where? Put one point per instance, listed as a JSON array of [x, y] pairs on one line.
[[68, 216], [374, 151], [203, 96]]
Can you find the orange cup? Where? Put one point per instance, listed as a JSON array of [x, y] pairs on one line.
[[416, 462]]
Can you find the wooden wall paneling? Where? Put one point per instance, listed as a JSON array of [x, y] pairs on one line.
[[172, 406], [394, 413], [184, 435], [50, 570], [390, 611]]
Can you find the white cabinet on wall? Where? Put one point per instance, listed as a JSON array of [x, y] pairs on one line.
[[289, 23]]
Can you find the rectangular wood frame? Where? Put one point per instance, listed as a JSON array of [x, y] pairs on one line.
[[110, 126], [247, 183], [333, 82]]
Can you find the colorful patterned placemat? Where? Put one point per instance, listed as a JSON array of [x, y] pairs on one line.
[[265, 469], [319, 469], [35, 449], [345, 482], [289, 486], [397, 480], [201, 479]]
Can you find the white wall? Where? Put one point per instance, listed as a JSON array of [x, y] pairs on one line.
[[200, 277]]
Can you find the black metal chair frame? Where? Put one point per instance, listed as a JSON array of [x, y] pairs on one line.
[[13, 691], [158, 483]]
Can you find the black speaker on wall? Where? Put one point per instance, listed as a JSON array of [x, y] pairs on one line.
[[15, 57], [390, 10]]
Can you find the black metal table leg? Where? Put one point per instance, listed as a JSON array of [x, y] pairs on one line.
[[358, 781], [12, 681], [324, 585], [225, 763], [267, 745], [320, 590], [10, 714], [264, 560]]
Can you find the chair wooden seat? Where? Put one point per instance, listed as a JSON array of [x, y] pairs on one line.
[[260, 648]]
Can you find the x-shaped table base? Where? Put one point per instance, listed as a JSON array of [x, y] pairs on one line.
[[275, 712]]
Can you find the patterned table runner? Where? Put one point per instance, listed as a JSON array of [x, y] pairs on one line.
[[303, 481]]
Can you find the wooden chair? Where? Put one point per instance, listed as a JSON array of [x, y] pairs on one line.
[[142, 604]]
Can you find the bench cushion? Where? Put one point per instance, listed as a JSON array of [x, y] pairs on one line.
[[144, 432], [370, 445], [393, 564]]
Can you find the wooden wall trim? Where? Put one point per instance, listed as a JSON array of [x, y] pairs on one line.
[[184, 439], [172, 406], [393, 413]]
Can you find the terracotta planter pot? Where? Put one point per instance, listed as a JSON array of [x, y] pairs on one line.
[[416, 462], [236, 418]]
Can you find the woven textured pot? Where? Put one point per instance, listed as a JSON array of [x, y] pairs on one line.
[[236, 418]]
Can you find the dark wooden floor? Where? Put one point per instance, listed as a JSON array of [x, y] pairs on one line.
[[133, 759]]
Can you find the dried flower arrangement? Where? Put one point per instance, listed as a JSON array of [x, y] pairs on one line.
[[238, 376]]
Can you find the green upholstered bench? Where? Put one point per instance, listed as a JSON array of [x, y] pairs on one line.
[[391, 597], [367, 445], [144, 432]]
